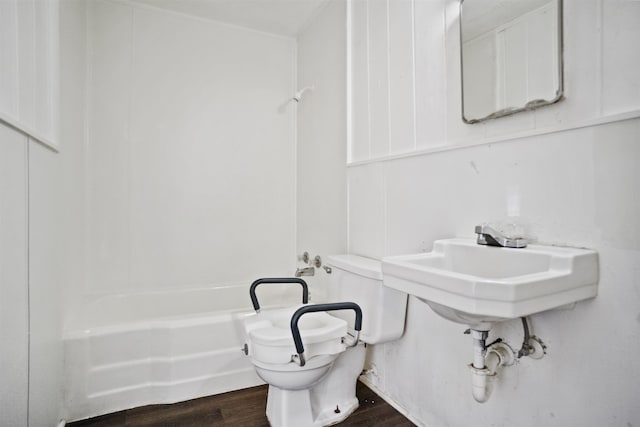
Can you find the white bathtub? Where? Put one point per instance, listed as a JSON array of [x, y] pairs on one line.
[[161, 347]]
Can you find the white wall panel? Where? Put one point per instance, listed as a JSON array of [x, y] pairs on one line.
[[321, 201], [27, 80], [378, 31], [601, 81], [401, 77], [30, 228], [405, 65], [366, 187], [621, 85], [191, 160], [46, 82], [8, 58], [47, 244], [108, 152], [359, 139], [571, 187], [186, 225], [430, 72], [14, 301], [582, 57], [73, 159], [29, 67]]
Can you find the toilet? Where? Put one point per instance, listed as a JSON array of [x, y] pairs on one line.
[[318, 388]]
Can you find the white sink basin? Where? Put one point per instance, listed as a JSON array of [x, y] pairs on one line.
[[478, 285]]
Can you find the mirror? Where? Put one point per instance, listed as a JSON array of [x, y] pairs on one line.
[[511, 56]]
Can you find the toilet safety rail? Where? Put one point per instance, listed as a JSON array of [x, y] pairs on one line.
[[335, 306], [254, 298]]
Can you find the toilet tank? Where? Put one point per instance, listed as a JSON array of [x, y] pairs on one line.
[[358, 279]]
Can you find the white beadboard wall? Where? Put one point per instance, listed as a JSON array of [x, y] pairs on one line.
[[38, 227], [569, 171], [29, 68], [405, 81], [14, 282], [397, 53], [190, 159], [321, 140], [49, 239]]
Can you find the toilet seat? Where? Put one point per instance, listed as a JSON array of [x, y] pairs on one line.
[[271, 340], [312, 364]]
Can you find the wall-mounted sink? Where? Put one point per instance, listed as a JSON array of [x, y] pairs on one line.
[[478, 285]]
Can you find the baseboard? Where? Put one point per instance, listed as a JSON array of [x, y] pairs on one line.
[[364, 380]]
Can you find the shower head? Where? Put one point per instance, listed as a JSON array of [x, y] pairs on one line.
[[299, 94]]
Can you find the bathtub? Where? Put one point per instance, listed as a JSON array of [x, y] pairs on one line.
[[124, 351]]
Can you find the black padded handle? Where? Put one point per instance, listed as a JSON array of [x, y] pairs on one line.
[[254, 298], [320, 307]]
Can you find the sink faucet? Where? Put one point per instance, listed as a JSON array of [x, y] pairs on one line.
[[488, 235], [306, 271]]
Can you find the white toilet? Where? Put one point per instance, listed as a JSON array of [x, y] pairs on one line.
[[322, 391]]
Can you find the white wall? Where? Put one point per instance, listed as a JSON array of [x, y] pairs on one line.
[[72, 156], [41, 191], [191, 163], [56, 225], [14, 291], [34, 261], [321, 198], [47, 245], [572, 185], [29, 67], [599, 77], [176, 197], [398, 77], [574, 188]]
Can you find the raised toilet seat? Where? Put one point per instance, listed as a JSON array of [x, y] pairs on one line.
[[271, 347], [307, 356]]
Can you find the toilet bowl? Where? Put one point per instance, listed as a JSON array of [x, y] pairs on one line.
[[292, 376], [314, 386], [271, 347]]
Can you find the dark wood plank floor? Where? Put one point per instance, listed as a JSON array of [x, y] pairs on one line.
[[242, 408]]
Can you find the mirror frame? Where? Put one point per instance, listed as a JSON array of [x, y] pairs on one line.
[[532, 105]]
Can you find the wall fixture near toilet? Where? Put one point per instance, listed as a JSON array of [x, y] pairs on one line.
[[313, 263], [511, 56]]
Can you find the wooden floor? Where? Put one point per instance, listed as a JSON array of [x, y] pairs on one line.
[[242, 408]]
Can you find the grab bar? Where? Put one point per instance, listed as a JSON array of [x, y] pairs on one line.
[[254, 298], [322, 307]]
